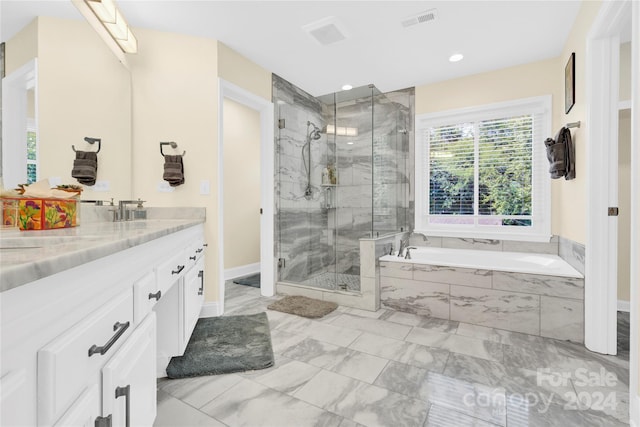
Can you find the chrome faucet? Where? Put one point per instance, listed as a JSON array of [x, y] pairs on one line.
[[408, 255], [124, 214], [404, 242]]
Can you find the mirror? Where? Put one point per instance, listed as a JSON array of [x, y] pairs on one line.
[[62, 83]]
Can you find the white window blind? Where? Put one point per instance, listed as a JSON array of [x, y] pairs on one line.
[[482, 172]]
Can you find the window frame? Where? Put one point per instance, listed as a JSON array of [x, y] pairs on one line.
[[540, 229]]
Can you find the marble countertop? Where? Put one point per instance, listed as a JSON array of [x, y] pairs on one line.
[[26, 256]]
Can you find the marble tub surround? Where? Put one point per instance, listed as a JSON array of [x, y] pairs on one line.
[[535, 304], [29, 256], [343, 370], [551, 247], [572, 252]]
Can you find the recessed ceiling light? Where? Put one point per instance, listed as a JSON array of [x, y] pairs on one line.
[[350, 143], [456, 57], [347, 87]]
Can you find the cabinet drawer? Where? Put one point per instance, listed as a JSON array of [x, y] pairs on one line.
[[73, 360], [145, 296], [169, 271]]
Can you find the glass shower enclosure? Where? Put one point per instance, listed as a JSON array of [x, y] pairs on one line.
[[341, 176]]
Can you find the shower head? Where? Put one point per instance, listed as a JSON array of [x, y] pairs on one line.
[[315, 133]]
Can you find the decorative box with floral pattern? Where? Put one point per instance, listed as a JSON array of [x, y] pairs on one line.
[[47, 214]]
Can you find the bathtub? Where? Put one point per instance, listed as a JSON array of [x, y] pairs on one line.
[[536, 294], [515, 262]]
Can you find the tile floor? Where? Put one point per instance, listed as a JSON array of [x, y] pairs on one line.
[[395, 369]]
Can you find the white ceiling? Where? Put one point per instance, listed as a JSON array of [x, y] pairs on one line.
[[378, 50]]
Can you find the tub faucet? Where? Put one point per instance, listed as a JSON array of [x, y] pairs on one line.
[[408, 255], [403, 244]]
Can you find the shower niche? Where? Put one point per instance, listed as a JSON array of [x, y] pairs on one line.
[[341, 165]]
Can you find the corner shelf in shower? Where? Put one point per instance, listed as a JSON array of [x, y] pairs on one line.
[[328, 185]]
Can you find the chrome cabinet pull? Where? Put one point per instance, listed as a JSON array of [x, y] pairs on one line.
[[126, 392], [201, 276], [199, 250], [180, 268], [155, 296], [120, 328], [193, 257]]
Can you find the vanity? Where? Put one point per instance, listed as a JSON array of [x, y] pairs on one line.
[[91, 317]]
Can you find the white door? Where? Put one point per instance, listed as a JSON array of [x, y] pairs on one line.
[[129, 379]]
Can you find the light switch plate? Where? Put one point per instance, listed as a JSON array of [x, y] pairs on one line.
[[164, 187], [205, 187], [100, 186]]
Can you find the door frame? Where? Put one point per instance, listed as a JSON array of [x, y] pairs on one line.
[[602, 79], [233, 92]]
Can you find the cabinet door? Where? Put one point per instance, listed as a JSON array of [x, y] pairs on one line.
[[129, 379], [84, 410], [193, 298]]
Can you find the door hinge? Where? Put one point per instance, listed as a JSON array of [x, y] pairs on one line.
[[103, 421], [280, 123], [612, 211], [281, 262]]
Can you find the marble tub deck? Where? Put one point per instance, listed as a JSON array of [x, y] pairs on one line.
[[388, 368]]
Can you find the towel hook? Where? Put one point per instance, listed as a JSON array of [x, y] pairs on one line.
[[90, 141], [172, 144]]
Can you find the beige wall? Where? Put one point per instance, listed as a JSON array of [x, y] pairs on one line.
[[624, 204], [22, 48], [82, 91], [175, 98], [241, 133], [240, 71], [570, 202], [523, 81]]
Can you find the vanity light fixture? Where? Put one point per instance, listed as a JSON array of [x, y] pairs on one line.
[[456, 57], [111, 18]]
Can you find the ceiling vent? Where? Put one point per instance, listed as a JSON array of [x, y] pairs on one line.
[[422, 17], [326, 31]]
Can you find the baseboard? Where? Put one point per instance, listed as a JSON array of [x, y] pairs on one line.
[[624, 306], [243, 270], [211, 309]]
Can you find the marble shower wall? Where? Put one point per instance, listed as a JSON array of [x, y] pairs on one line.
[[301, 225], [323, 234]]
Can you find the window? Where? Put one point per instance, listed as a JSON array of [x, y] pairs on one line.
[[482, 172], [32, 152]]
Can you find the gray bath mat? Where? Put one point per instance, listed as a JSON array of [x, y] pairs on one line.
[[303, 306], [253, 280], [222, 345]]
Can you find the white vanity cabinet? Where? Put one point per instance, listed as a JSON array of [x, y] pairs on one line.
[[80, 347]]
